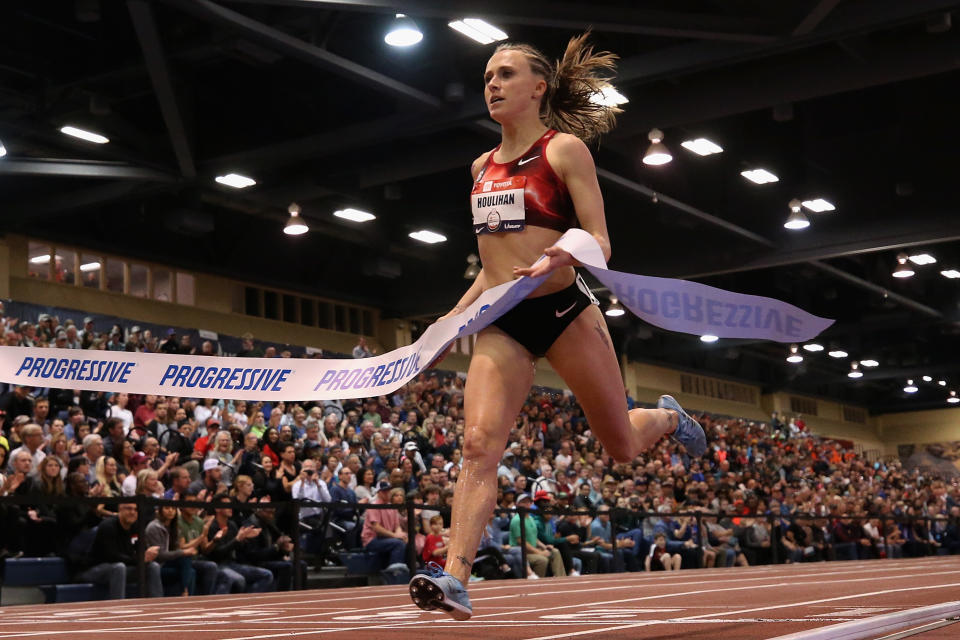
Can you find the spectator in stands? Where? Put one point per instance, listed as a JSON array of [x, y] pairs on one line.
[[361, 350], [148, 484], [146, 412], [659, 559], [41, 413], [112, 560], [32, 437], [139, 462], [539, 555], [118, 409], [179, 483], [224, 539], [192, 531], [175, 562], [92, 450], [382, 533], [309, 486], [222, 452], [271, 549], [16, 402], [107, 478], [112, 435], [247, 348]]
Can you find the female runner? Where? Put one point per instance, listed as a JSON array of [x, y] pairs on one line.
[[539, 182]]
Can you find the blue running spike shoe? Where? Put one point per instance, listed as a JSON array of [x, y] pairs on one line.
[[440, 590], [689, 433]]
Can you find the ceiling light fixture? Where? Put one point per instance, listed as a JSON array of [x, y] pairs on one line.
[[950, 273], [819, 205], [43, 259], [657, 153], [354, 215], [953, 399], [942, 383], [89, 136], [608, 96], [759, 176], [479, 30], [911, 388], [837, 353], [927, 379], [708, 338], [903, 270], [3, 150], [403, 32], [615, 310], [295, 224], [854, 371], [813, 347], [922, 259], [701, 146], [869, 363], [797, 219], [429, 237], [236, 181], [794, 357], [473, 269], [90, 266]]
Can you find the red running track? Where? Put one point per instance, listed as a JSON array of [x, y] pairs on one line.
[[752, 603]]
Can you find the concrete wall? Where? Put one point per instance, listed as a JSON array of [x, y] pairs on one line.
[[141, 309], [918, 427]]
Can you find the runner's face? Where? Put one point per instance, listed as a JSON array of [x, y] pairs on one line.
[[509, 85]]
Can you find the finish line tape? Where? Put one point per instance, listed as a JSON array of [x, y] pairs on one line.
[[676, 305]]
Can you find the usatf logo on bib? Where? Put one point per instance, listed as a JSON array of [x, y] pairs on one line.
[[498, 205]]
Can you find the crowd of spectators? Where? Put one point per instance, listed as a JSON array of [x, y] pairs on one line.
[[763, 492]]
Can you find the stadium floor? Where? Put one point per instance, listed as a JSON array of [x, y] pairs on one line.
[[745, 603]]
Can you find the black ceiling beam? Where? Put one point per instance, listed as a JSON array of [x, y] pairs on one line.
[[59, 201], [81, 169], [914, 230], [294, 47], [815, 17], [146, 27], [669, 62], [883, 291], [564, 15], [709, 96]]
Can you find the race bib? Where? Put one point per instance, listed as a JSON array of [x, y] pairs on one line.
[[497, 205]]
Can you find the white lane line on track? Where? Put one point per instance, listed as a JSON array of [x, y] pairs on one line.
[[579, 605], [766, 608], [656, 581]]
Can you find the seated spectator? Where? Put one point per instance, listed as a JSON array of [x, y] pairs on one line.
[[112, 560], [435, 547], [179, 483], [222, 451], [32, 437], [271, 549], [138, 463], [224, 539], [192, 531], [659, 559], [382, 533], [210, 480], [539, 555], [309, 486], [175, 562]]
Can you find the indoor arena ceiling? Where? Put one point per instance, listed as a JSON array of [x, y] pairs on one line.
[[853, 101]]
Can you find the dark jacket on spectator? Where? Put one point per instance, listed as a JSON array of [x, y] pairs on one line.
[[114, 543]]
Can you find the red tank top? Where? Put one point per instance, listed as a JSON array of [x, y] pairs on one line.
[[509, 196]]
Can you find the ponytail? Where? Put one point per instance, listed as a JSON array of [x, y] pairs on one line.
[[571, 83]]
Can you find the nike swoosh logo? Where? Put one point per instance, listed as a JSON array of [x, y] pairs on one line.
[[560, 314], [526, 160]]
